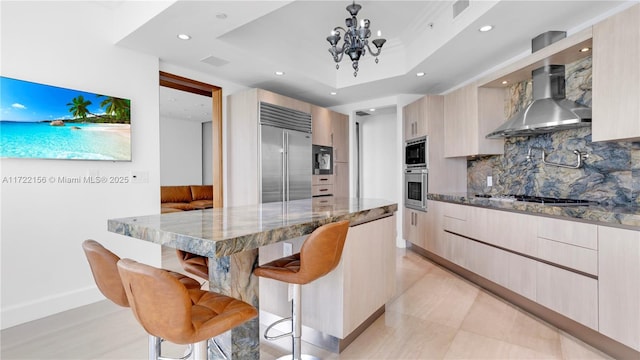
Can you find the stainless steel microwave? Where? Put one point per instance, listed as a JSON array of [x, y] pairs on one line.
[[415, 153], [416, 188]]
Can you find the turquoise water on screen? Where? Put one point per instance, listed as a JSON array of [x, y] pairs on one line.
[[43, 141]]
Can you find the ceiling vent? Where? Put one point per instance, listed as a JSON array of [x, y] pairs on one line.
[[362, 113], [459, 6], [215, 61]]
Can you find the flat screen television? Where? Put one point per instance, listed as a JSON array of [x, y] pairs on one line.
[[47, 122]]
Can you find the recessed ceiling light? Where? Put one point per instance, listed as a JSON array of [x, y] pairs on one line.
[[585, 49], [372, 109], [221, 16], [420, 74], [505, 82], [334, 93], [279, 73], [486, 28], [184, 37]]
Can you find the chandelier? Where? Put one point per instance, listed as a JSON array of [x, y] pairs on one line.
[[356, 39]]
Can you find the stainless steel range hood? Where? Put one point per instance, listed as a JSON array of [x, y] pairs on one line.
[[549, 111]]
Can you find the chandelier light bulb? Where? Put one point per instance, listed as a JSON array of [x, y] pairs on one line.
[[379, 33]]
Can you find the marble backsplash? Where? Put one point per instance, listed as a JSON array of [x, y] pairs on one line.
[[610, 174]]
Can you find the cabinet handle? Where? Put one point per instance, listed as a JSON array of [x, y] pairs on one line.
[[324, 190], [324, 179], [331, 139]]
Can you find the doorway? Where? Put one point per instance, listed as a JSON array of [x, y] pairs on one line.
[[215, 146]]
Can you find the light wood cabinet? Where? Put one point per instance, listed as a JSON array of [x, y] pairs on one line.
[[322, 179], [616, 77], [433, 231], [414, 118], [340, 137], [572, 295], [470, 113], [414, 225], [619, 284], [331, 128], [320, 126], [341, 179]]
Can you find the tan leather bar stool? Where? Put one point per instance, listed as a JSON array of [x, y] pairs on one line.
[[104, 266], [195, 264], [167, 309], [320, 253]]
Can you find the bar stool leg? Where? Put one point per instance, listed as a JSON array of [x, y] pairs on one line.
[[154, 347], [200, 351], [296, 320]]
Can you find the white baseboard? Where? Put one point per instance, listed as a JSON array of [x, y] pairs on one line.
[[46, 306]]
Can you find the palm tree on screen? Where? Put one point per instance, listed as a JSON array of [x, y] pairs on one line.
[[117, 107], [78, 107]]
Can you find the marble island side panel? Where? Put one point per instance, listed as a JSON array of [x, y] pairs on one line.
[[221, 232]]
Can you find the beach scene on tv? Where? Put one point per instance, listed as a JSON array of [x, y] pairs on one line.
[[47, 122]]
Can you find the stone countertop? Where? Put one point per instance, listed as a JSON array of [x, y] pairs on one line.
[[618, 216], [225, 231]]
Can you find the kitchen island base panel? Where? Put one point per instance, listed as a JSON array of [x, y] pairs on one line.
[[233, 276], [582, 332]]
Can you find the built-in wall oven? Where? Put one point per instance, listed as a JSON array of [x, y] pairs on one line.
[[415, 153], [415, 188]]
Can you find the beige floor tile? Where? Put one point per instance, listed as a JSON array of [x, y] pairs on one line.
[[533, 333], [467, 345], [399, 336], [438, 297], [491, 317]]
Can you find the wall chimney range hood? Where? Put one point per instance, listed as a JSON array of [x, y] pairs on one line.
[[549, 111]]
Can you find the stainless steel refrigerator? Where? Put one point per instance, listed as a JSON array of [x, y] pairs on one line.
[[285, 154]]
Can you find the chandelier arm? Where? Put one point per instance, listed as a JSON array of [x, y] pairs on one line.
[[373, 53]]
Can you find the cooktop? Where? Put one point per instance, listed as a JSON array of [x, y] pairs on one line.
[[541, 200]]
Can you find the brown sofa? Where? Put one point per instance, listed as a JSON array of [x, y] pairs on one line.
[[185, 197]]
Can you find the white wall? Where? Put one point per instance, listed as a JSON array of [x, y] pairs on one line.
[[180, 152], [396, 168], [43, 268], [379, 147]]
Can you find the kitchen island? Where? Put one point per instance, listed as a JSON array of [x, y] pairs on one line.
[[231, 238]]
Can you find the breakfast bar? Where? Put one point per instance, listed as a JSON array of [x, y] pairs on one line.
[[231, 237]]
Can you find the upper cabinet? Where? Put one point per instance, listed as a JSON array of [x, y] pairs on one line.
[[469, 114], [616, 77], [321, 125], [414, 118], [331, 128], [340, 136]]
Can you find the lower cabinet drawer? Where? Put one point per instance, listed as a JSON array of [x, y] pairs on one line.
[[574, 257], [322, 190], [572, 295]]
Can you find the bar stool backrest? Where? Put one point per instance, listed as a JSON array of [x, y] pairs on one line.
[[322, 250], [159, 301], [104, 267]]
